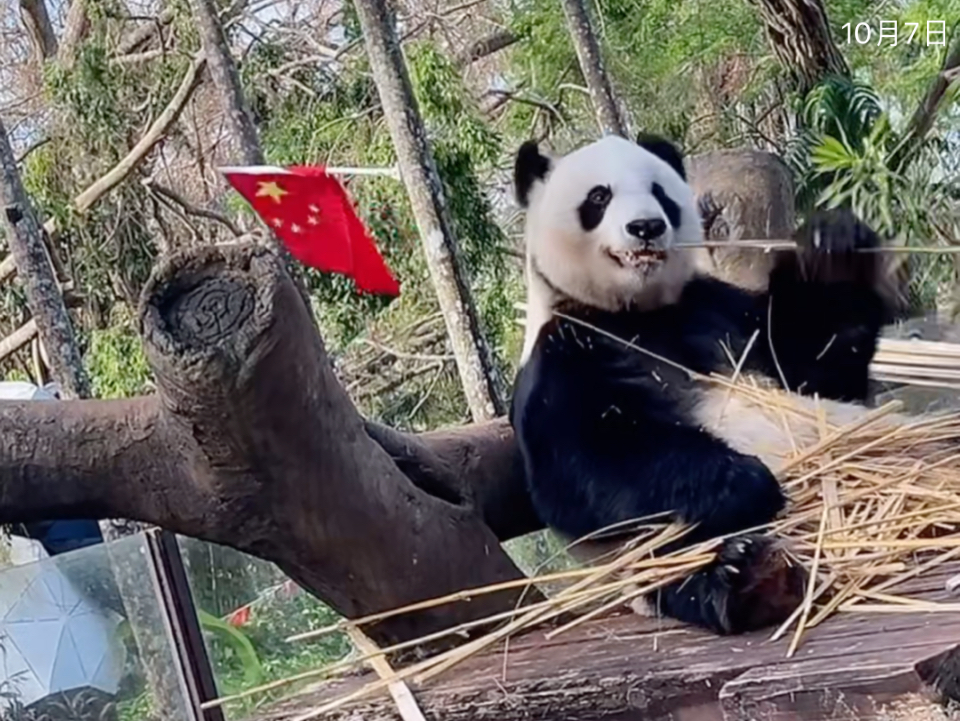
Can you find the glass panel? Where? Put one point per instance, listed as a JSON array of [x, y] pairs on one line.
[[248, 608], [83, 638]]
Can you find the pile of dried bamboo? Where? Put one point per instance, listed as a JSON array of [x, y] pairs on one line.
[[872, 505]]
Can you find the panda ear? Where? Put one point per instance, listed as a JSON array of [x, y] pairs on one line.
[[529, 167], [665, 150]]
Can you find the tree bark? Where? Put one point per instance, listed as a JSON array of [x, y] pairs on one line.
[[138, 39], [799, 35], [36, 274], [425, 189], [591, 65], [36, 20], [223, 72], [252, 443], [75, 29]]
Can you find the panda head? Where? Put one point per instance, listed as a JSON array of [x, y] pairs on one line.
[[602, 224]]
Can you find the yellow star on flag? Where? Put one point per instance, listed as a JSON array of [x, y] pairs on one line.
[[270, 190]]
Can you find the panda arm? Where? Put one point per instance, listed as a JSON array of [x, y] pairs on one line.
[[825, 308]]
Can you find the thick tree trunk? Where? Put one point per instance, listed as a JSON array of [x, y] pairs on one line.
[[591, 65], [251, 442], [424, 187], [799, 35], [223, 72]]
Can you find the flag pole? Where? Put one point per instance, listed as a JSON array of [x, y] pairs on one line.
[[388, 172]]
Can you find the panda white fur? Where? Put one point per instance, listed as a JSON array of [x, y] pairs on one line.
[[609, 434]]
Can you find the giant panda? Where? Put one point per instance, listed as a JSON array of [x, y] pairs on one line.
[[609, 433]]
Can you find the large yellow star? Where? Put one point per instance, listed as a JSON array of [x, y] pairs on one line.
[[270, 190]]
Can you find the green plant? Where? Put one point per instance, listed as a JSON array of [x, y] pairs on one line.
[[235, 649]]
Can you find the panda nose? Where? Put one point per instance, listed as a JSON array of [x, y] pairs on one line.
[[647, 228]]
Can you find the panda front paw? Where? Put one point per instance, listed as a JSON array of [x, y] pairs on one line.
[[835, 231], [828, 245], [754, 584]]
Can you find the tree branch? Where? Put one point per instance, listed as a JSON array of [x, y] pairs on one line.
[[155, 133], [926, 112], [143, 34], [479, 464], [116, 175], [8, 268], [94, 459], [487, 46], [19, 338], [191, 209]]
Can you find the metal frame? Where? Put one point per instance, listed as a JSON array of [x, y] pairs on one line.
[[170, 583]]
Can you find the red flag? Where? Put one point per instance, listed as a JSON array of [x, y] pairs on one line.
[[312, 215]]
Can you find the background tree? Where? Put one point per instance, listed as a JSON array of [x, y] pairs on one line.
[[590, 57], [418, 170]]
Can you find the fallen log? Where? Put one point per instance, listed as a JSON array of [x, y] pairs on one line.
[[252, 442], [855, 666]]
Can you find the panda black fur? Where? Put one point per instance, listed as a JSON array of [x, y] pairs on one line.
[[609, 433]]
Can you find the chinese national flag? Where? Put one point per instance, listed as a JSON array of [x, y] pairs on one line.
[[312, 215]]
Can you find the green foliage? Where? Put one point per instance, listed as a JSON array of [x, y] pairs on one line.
[[652, 50], [258, 653], [98, 102], [837, 108], [138, 708], [116, 362], [847, 153]]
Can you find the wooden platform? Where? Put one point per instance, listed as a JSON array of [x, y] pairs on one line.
[[887, 667]]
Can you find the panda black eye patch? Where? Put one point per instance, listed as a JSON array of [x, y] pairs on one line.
[[591, 210], [668, 204]]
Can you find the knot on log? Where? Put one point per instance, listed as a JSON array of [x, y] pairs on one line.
[[209, 312]]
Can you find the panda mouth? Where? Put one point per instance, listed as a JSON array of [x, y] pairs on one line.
[[638, 258]]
